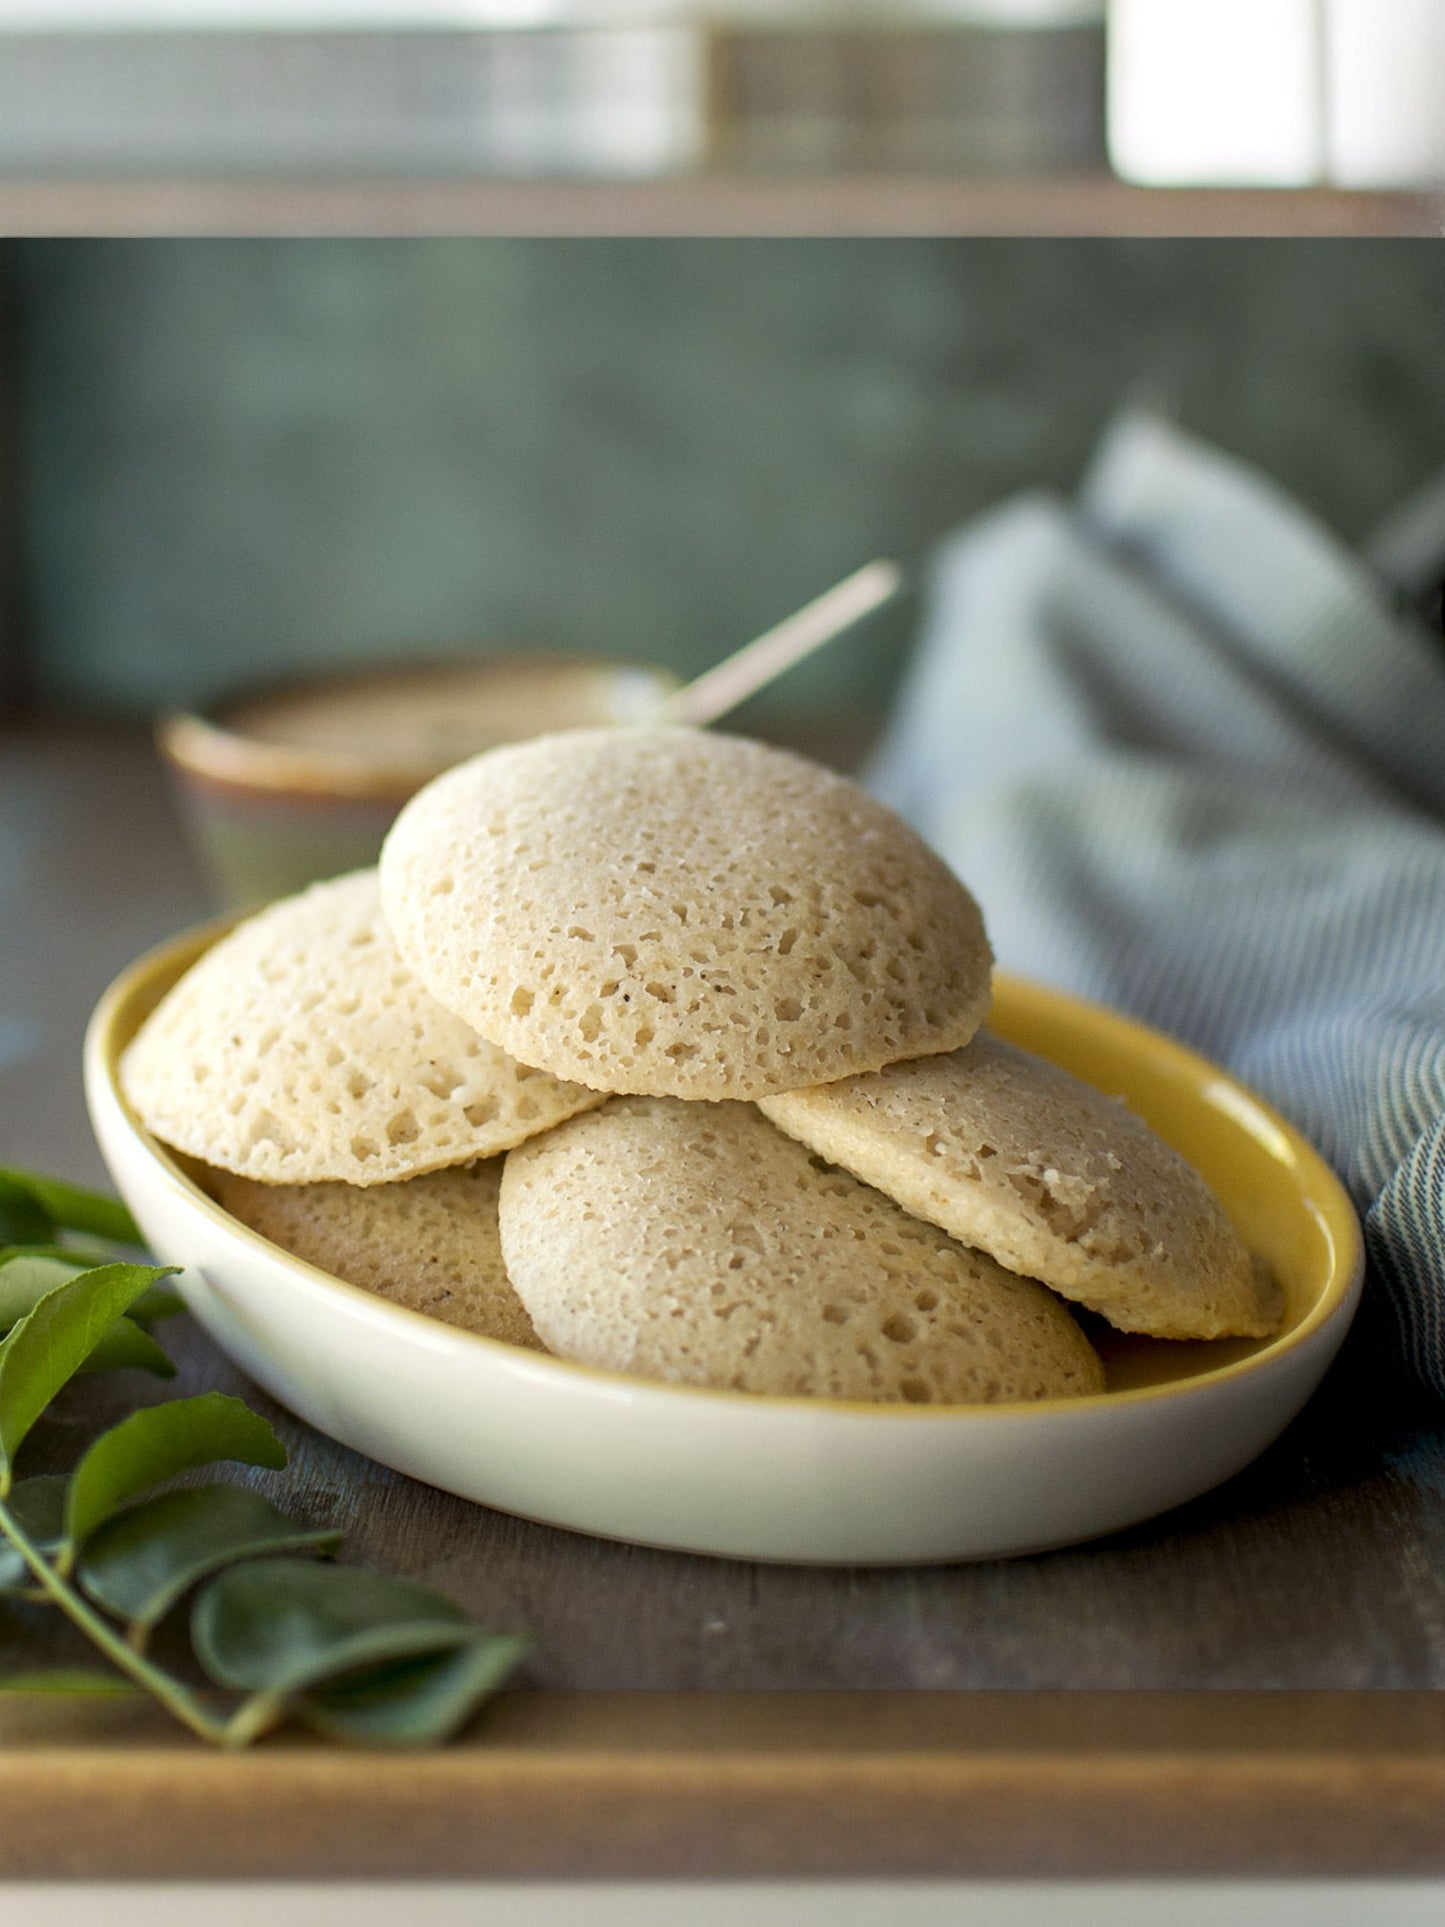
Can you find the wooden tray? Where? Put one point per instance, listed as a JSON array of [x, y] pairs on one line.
[[630, 1785], [1249, 1686]]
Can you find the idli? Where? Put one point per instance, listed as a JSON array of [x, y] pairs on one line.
[[301, 1048], [1058, 1181], [696, 1244], [664, 911], [430, 1243]]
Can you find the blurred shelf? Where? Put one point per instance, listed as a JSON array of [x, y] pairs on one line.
[[705, 204]]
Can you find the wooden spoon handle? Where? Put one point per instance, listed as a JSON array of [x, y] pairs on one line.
[[748, 669]]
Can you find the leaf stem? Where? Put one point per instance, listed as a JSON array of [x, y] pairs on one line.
[[255, 1717], [176, 1698]]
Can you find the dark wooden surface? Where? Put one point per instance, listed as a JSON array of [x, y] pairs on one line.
[[1320, 1570], [1322, 1566]]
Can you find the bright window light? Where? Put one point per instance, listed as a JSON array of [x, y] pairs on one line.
[[1386, 67], [1213, 92]]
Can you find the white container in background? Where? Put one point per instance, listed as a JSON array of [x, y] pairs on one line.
[[1218, 92], [577, 102], [1385, 92], [550, 88]]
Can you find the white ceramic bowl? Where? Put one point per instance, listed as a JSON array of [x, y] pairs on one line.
[[808, 1480]]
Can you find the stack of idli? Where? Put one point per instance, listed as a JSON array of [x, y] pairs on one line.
[[663, 1051]]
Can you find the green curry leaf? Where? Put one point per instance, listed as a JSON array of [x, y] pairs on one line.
[[38, 1507], [24, 1220], [26, 1278], [68, 1206], [139, 1563], [126, 1344], [51, 1344], [413, 1702], [68, 1680], [345, 1651], [158, 1443], [280, 1625]]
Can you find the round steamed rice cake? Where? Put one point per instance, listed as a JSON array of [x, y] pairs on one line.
[[1057, 1180], [661, 910], [695, 1243], [300, 1048], [430, 1243]]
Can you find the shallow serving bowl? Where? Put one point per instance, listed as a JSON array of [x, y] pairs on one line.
[[812, 1480]]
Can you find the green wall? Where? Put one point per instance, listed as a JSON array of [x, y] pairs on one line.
[[238, 456]]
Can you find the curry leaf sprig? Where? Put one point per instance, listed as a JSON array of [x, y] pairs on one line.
[[115, 1545]]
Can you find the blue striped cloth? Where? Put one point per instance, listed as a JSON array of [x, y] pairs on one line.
[[1190, 757]]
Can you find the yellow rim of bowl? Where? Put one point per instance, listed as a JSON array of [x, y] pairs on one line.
[[1324, 1197]]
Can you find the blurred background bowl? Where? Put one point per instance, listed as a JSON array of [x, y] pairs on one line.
[[300, 779]]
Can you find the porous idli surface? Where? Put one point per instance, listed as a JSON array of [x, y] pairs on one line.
[[1057, 1180], [429, 1244], [669, 912], [696, 1244], [301, 1048]]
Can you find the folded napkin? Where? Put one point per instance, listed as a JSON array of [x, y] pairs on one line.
[[1190, 756]]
